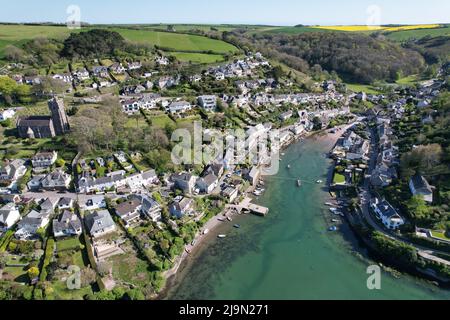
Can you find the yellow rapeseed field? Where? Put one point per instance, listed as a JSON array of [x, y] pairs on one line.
[[377, 28]]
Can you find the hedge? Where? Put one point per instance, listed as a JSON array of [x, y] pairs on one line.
[[4, 241], [49, 249]]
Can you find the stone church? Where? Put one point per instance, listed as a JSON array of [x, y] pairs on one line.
[[45, 126]]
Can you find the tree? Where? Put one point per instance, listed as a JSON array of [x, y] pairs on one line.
[[417, 208], [33, 273]]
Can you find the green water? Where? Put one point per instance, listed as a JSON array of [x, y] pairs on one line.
[[290, 254]]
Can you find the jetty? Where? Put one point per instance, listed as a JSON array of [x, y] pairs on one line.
[[246, 206]]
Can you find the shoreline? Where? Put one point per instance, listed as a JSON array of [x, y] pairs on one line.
[[323, 136]]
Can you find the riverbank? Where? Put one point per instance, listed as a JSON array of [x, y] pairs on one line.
[[326, 138]]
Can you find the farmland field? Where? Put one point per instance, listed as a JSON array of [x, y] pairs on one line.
[[198, 57], [419, 33], [17, 34], [361, 28], [177, 41]]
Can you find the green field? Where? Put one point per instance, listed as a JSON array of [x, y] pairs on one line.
[[293, 30], [440, 235], [177, 41], [407, 81], [198, 58], [338, 179], [17, 34], [362, 88], [419, 33]]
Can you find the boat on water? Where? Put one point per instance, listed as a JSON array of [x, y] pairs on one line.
[[329, 204], [237, 226], [221, 219], [299, 183], [188, 251], [333, 228], [193, 243], [334, 220], [288, 166], [205, 231], [221, 236], [333, 210], [229, 219], [319, 181]]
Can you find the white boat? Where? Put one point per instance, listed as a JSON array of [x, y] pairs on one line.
[[319, 181], [299, 183], [221, 219], [221, 236], [333, 210], [229, 219], [329, 204], [205, 231], [288, 166]]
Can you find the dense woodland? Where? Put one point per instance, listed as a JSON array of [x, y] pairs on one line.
[[355, 57]]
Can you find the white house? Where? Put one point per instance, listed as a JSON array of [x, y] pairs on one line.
[[208, 183], [209, 103], [179, 107], [93, 203], [7, 114], [43, 160], [419, 186], [99, 223], [9, 215], [387, 214], [66, 225]]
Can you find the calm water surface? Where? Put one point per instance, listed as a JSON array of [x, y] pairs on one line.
[[290, 254]]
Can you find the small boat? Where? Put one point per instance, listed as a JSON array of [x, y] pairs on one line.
[[194, 243], [205, 231], [288, 166], [319, 181], [329, 204], [229, 219], [221, 236], [335, 220], [237, 226], [188, 251], [333, 210], [221, 219], [333, 228], [299, 183]]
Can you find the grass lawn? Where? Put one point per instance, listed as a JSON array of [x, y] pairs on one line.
[[161, 121], [61, 292], [198, 58], [130, 269], [440, 235], [67, 244], [338, 179], [407, 81], [18, 273], [177, 41], [362, 87], [418, 33]]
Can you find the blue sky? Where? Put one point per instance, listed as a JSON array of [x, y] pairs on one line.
[[274, 12]]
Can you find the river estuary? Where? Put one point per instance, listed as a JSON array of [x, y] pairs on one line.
[[290, 254]]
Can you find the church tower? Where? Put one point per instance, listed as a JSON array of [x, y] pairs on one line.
[[59, 116]]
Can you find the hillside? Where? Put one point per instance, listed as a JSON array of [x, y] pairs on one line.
[[354, 56]]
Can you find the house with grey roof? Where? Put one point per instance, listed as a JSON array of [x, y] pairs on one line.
[[386, 213], [99, 223], [149, 207], [65, 203], [66, 225], [184, 182], [29, 225], [43, 160], [57, 180], [181, 207], [129, 211], [9, 215], [208, 183], [419, 186]]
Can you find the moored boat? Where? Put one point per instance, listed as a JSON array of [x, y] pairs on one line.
[[221, 236], [237, 226], [333, 228]]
